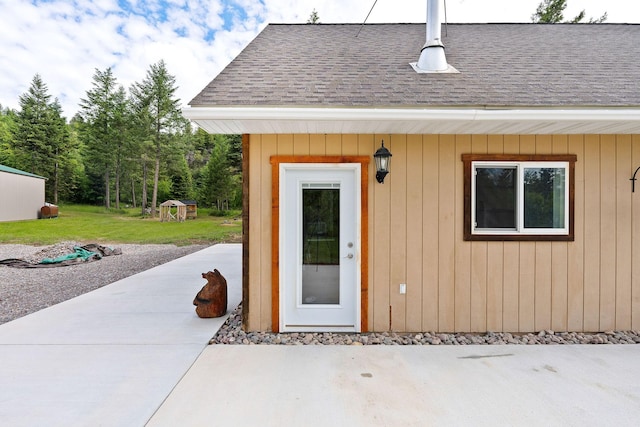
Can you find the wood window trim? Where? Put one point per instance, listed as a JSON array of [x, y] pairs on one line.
[[275, 230], [468, 159]]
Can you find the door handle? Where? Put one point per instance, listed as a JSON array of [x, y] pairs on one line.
[[349, 256]]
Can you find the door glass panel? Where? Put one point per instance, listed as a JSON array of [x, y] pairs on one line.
[[320, 244]]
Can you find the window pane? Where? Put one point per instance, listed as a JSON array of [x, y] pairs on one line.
[[544, 197], [496, 197]]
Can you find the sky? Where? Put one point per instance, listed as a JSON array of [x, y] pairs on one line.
[[66, 41]]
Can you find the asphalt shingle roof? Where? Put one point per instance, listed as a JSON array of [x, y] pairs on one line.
[[515, 65]]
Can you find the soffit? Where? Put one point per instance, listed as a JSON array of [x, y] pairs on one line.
[[276, 120]]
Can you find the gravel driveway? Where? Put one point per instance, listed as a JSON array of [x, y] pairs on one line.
[[26, 290]]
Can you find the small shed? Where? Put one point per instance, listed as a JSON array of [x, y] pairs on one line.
[[173, 210], [192, 208]]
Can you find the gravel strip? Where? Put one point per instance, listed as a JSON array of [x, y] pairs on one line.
[[231, 333], [27, 290]]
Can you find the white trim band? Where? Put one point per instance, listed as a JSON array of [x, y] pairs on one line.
[[414, 120]]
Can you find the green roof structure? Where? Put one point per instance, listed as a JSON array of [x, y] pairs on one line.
[[7, 169]]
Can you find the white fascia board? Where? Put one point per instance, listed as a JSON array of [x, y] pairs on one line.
[[328, 114], [407, 114], [561, 115]]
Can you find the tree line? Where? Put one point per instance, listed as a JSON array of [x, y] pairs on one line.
[[123, 147]]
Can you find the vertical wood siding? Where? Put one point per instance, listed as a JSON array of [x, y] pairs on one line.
[[415, 229]]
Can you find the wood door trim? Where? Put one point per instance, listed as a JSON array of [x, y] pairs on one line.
[[246, 139], [275, 230]]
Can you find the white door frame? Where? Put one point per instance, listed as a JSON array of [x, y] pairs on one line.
[[285, 213]]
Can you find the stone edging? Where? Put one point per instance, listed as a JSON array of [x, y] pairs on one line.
[[231, 333]]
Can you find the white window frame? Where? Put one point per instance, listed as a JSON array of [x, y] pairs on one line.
[[520, 167]]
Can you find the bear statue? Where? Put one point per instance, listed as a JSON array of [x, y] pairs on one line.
[[211, 301]]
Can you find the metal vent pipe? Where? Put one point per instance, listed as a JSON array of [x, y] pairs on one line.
[[432, 57]]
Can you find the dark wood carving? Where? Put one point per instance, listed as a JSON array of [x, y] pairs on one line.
[[211, 301]]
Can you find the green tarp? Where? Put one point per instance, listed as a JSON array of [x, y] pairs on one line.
[[80, 254]]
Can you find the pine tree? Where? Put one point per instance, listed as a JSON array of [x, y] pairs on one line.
[[102, 114], [552, 12], [72, 172], [7, 130], [217, 188], [124, 144], [181, 181], [42, 138], [314, 18], [58, 135], [159, 115], [33, 150]]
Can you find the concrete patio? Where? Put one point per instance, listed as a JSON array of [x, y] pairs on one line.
[[134, 353]]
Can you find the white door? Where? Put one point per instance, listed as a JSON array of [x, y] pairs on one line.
[[319, 247]]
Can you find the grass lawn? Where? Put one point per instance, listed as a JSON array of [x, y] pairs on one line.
[[92, 224]]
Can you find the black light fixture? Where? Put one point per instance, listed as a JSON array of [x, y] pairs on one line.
[[383, 159]]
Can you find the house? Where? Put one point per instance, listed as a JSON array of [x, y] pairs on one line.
[[21, 194], [508, 205]]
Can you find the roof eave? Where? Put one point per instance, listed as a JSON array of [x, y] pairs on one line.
[[477, 120], [15, 171]]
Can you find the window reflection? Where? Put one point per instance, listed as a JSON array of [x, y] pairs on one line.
[[496, 197]]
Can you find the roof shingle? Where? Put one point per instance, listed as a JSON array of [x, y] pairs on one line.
[[501, 65]]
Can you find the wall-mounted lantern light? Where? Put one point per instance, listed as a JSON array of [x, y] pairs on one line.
[[383, 159]]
